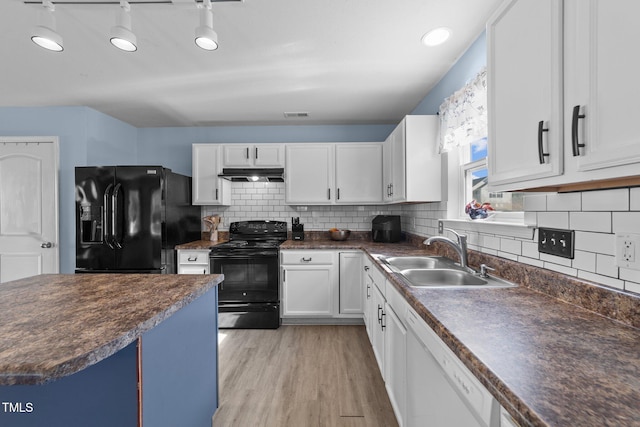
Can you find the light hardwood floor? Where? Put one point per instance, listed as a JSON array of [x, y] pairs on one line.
[[301, 376]]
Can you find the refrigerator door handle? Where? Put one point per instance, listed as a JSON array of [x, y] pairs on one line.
[[106, 216], [116, 238]]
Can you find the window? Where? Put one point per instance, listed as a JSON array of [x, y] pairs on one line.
[[475, 180]]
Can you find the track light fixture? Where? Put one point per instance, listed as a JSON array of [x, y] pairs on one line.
[[206, 38], [44, 34], [121, 35]]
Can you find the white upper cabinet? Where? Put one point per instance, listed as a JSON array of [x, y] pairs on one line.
[[207, 187], [259, 155], [358, 173], [562, 94], [601, 44], [524, 71], [309, 173], [412, 166], [325, 174]]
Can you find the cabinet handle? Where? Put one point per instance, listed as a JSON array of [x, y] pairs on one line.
[[379, 315], [192, 258], [391, 189], [541, 153], [204, 271], [216, 194], [256, 153], [247, 153], [328, 194], [382, 322], [575, 143], [368, 294], [338, 194], [366, 268], [306, 259]]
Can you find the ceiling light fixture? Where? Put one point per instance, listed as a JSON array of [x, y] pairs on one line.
[[206, 38], [436, 37], [45, 35], [121, 35]]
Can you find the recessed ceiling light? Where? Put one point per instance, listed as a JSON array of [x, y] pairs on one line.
[[436, 37]]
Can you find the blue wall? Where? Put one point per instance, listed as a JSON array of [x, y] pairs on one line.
[[88, 137], [171, 147], [466, 68]]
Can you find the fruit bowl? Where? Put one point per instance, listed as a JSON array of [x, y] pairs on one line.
[[337, 234]]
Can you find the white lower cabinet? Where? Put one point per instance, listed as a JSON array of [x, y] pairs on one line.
[[308, 283], [379, 325], [395, 364], [367, 297], [193, 261], [350, 282]]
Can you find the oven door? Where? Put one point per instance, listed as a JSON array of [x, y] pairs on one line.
[[247, 277]]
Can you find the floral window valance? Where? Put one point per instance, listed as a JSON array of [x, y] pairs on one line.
[[463, 115]]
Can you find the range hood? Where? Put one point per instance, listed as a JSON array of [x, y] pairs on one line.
[[253, 174]]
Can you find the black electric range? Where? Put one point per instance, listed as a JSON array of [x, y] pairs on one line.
[[249, 296]]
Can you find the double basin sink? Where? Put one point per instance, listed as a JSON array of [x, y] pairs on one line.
[[439, 272]]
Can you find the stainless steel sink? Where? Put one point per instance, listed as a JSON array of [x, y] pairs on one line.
[[439, 272], [410, 262], [441, 277]]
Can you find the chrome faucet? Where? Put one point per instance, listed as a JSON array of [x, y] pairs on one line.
[[460, 246]]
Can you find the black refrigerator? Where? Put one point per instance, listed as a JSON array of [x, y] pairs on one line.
[[129, 218]]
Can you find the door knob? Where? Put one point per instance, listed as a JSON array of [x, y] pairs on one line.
[[46, 245]]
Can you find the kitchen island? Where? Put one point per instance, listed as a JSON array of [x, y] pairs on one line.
[[108, 349], [554, 351]]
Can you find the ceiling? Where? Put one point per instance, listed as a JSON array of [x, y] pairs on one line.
[[342, 61]]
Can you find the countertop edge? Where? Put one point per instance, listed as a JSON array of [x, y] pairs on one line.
[[78, 363]]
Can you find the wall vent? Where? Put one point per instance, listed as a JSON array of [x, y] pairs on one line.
[[296, 114]]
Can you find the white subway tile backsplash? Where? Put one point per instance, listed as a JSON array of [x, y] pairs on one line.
[[630, 275], [553, 219], [489, 242], [596, 242], [606, 265], [531, 261], [530, 250], [608, 281], [632, 287], [555, 260], [634, 199], [626, 222], [507, 255], [584, 261], [590, 221], [564, 202], [606, 200], [595, 216], [511, 246], [561, 269]]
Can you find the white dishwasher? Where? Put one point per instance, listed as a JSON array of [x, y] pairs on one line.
[[441, 392]]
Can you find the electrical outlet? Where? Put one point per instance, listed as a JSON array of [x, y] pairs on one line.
[[440, 227], [627, 245], [556, 242]]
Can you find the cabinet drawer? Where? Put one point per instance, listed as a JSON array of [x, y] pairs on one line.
[[187, 258], [193, 269], [306, 257]]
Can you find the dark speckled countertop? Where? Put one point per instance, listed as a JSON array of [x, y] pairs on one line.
[[58, 324], [554, 351]]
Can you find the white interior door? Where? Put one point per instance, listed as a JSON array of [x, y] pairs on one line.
[[28, 207]]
